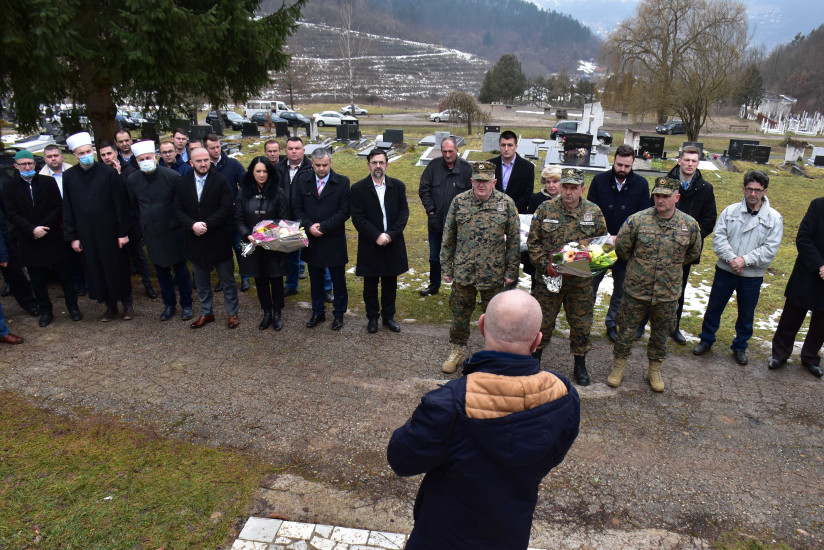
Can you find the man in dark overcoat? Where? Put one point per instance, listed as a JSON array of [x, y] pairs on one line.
[[379, 214], [96, 221], [152, 192], [514, 174], [35, 210], [321, 203], [804, 292], [205, 208]]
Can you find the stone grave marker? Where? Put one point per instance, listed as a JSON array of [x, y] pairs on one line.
[[250, 129], [199, 131], [393, 135], [632, 138], [496, 129], [439, 136], [186, 125], [817, 152], [756, 153], [654, 145], [597, 121], [528, 149], [736, 147], [148, 130], [573, 145], [490, 142]]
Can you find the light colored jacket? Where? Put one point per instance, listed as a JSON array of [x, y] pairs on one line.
[[754, 238]]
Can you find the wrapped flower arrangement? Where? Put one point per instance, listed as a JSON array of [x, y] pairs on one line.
[[284, 236], [584, 258]]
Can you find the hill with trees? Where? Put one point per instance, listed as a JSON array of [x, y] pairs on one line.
[[797, 69]]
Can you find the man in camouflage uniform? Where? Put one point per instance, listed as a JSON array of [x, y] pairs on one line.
[[656, 243], [555, 223], [480, 252]]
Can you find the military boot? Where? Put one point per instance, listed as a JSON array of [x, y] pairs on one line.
[[581, 374], [617, 375], [654, 376], [456, 355]]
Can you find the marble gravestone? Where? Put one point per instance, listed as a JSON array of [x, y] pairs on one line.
[[736, 147], [653, 145]]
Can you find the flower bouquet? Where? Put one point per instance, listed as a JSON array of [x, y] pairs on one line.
[[284, 236], [584, 258], [581, 152]]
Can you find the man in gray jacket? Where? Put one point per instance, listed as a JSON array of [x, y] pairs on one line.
[[442, 180], [746, 240]]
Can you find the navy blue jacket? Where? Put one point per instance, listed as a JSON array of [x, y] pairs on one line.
[[616, 205], [232, 170], [482, 474], [179, 166]]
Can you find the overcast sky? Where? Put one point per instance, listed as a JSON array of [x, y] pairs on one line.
[[772, 22]]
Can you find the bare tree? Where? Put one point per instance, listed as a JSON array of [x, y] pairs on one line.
[[352, 46], [682, 53], [467, 107]]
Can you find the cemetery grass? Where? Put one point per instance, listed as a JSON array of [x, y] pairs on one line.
[[92, 482]]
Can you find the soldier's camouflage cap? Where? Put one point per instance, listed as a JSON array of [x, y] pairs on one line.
[[666, 186], [574, 176], [483, 171]]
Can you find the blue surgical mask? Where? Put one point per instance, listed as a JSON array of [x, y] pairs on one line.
[[86, 160], [27, 173]]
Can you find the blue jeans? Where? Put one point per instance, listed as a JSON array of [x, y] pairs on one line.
[[747, 290], [167, 284], [435, 240]]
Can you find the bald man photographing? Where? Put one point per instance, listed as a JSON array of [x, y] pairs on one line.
[[487, 439]]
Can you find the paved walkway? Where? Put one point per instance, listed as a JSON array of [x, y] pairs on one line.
[[724, 449]]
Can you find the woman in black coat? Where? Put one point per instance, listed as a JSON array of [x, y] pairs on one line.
[[261, 198]]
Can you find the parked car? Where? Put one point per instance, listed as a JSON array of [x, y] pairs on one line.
[[260, 118], [294, 119], [77, 114], [449, 115], [671, 127], [565, 127], [125, 120], [331, 118], [7, 169], [230, 118], [347, 110]]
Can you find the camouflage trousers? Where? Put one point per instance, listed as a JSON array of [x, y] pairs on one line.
[[462, 304], [661, 320], [577, 298]]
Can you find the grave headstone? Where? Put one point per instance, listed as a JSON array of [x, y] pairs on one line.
[[281, 129], [736, 147], [793, 154], [528, 149], [393, 135], [148, 130], [488, 129], [186, 125], [583, 126], [597, 121], [490, 142], [439, 137], [199, 131], [653, 145], [756, 153], [817, 152], [250, 129], [342, 132], [818, 161], [216, 127], [632, 138], [577, 150], [560, 113]]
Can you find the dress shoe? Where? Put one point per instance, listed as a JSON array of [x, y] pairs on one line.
[[638, 333], [775, 364], [372, 326], [45, 319], [330, 297], [218, 287], [6, 291], [290, 292], [315, 320], [814, 369], [392, 325], [34, 310], [186, 314], [740, 356], [232, 321], [678, 337], [701, 348], [12, 339], [337, 324], [202, 320], [108, 315], [150, 292], [277, 321], [430, 290], [75, 314], [168, 313], [128, 312], [612, 333], [266, 321], [245, 285]]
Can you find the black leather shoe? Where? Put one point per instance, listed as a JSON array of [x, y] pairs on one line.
[[34, 310], [372, 326], [337, 324], [740, 356], [330, 297], [45, 319], [6, 291], [392, 325], [638, 333], [580, 371], [75, 314], [168, 313], [814, 369], [277, 321], [775, 364], [218, 287], [150, 292], [266, 321], [245, 285], [678, 337], [430, 290], [701, 349], [315, 320], [612, 333], [290, 292], [186, 314]]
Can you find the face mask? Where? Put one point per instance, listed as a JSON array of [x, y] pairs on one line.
[[86, 160], [147, 166], [27, 173]]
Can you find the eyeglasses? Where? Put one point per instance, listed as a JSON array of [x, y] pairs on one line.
[[753, 190], [25, 163]]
